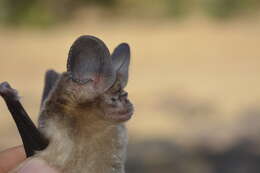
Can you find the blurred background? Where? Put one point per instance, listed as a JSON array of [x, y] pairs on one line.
[[194, 77]]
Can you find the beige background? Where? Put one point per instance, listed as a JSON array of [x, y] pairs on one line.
[[189, 81]]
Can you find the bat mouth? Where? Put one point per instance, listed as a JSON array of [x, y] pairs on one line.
[[122, 115], [125, 115]]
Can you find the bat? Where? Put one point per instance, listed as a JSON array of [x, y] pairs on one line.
[[83, 111]]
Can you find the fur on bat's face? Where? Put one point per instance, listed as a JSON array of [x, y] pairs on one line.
[[82, 100], [96, 80], [115, 104]]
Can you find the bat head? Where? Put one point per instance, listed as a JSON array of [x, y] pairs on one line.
[[95, 80]]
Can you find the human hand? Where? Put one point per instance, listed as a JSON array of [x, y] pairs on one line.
[[11, 158]]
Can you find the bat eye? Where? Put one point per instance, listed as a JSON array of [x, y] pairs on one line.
[[113, 99]]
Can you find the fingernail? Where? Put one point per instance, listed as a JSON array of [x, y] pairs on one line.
[[36, 166]]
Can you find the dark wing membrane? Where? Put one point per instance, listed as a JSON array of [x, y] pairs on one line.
[[32, 139]]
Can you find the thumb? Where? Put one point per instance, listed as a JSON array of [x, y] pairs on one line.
[[36, 166]]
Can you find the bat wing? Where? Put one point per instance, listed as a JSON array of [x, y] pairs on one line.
[[32, 139]]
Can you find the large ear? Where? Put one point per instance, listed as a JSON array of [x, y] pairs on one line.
[[121, 60], [51, 77], [89, 61]]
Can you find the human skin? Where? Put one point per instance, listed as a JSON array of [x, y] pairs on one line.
[[11, 158]]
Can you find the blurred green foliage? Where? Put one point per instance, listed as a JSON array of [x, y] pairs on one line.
[[177, 8], [230, 8], [47, 12], [44, 12]]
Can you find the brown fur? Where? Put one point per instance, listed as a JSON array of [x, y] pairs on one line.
[[83, 110], [81, 139]]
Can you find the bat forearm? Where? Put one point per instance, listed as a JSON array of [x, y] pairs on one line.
[[31, 137]]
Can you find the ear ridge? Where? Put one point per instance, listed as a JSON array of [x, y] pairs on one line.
[[121, 61], [89, 61]]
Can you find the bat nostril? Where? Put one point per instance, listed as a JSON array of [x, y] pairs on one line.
[[124, 94]]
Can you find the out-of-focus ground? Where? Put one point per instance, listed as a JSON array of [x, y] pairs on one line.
[[195, 85]]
